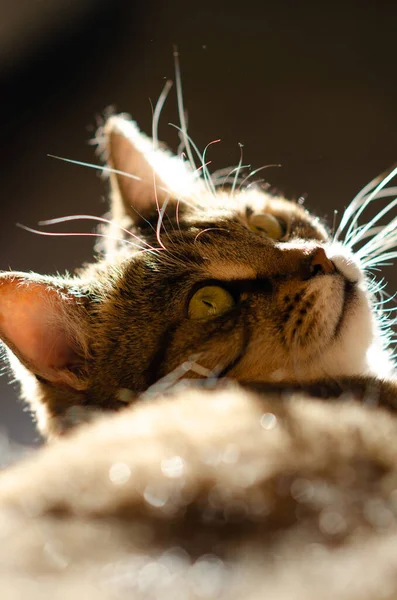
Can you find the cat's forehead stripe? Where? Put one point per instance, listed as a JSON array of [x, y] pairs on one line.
[[222, 269]]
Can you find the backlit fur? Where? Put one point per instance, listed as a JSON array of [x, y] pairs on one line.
[[254, 453]]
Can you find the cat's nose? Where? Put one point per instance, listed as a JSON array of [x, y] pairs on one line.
[[320, 264]]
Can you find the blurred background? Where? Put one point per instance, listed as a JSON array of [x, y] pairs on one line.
[[310, 85]]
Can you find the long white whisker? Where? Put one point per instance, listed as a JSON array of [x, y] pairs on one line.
[[352, 238], [97, 167], [181, 108], [256, 182], [202, 167], [78, 234], [157, 112], [367, 200], [358, 237], [92, 218], [219, 175], [385, 239], [102, 168], [240, 162], [228, 178], [205, 170], [379, 260], [359, 198], [254, 173], [161, 223]]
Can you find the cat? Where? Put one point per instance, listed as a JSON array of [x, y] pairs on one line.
[[242, 347], [290, 305]]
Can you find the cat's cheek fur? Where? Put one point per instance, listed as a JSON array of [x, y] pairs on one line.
[[359, 349], [348, 355], [214, 351]]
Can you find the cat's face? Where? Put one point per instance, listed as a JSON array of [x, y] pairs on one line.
[[236, 283]]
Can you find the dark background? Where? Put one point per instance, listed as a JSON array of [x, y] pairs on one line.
[[312, 86]]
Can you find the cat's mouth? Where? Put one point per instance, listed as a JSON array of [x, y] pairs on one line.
[[349, 293]]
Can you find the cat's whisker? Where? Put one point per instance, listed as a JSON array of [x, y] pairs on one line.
[[103, 168], [374, 259], [368, 191], [386, 239], [57, 220], [334, 225], [240, 162], [177, 214], [385, 232], [376, 284], [372, 232], [351, 209], [386, 310], [198, 369], [155, 121], [206, 173], [181, 109], [256, 182], [254, 172], [359, 236], [79, 234], [380, 260], [229, 179], [170, 221], [379, 290], [202, 167], [361, 204], [386, 192], [160, 222], [93, 166], [167, 382], [219, 175], [209, 229], [141, 217], [180, 151], [157, 112], [351, 240]]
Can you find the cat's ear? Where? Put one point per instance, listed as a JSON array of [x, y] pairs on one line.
[[145, 176], [43, 324]]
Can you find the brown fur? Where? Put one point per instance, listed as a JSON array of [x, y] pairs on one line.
[[283, 485]]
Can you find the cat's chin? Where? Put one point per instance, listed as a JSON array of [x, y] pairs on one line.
[[357, 348]]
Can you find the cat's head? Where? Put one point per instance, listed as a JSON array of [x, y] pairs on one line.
[[197, 279]]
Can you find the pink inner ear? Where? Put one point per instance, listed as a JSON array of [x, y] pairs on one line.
[[31, 322]]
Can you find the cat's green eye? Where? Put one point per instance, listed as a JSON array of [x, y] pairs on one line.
[[210, 301], [269, 225]]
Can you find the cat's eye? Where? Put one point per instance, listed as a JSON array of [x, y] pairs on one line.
[[210, 301], [268, 225]]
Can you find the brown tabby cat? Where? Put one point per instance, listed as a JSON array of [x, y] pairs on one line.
[[204, 488]]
